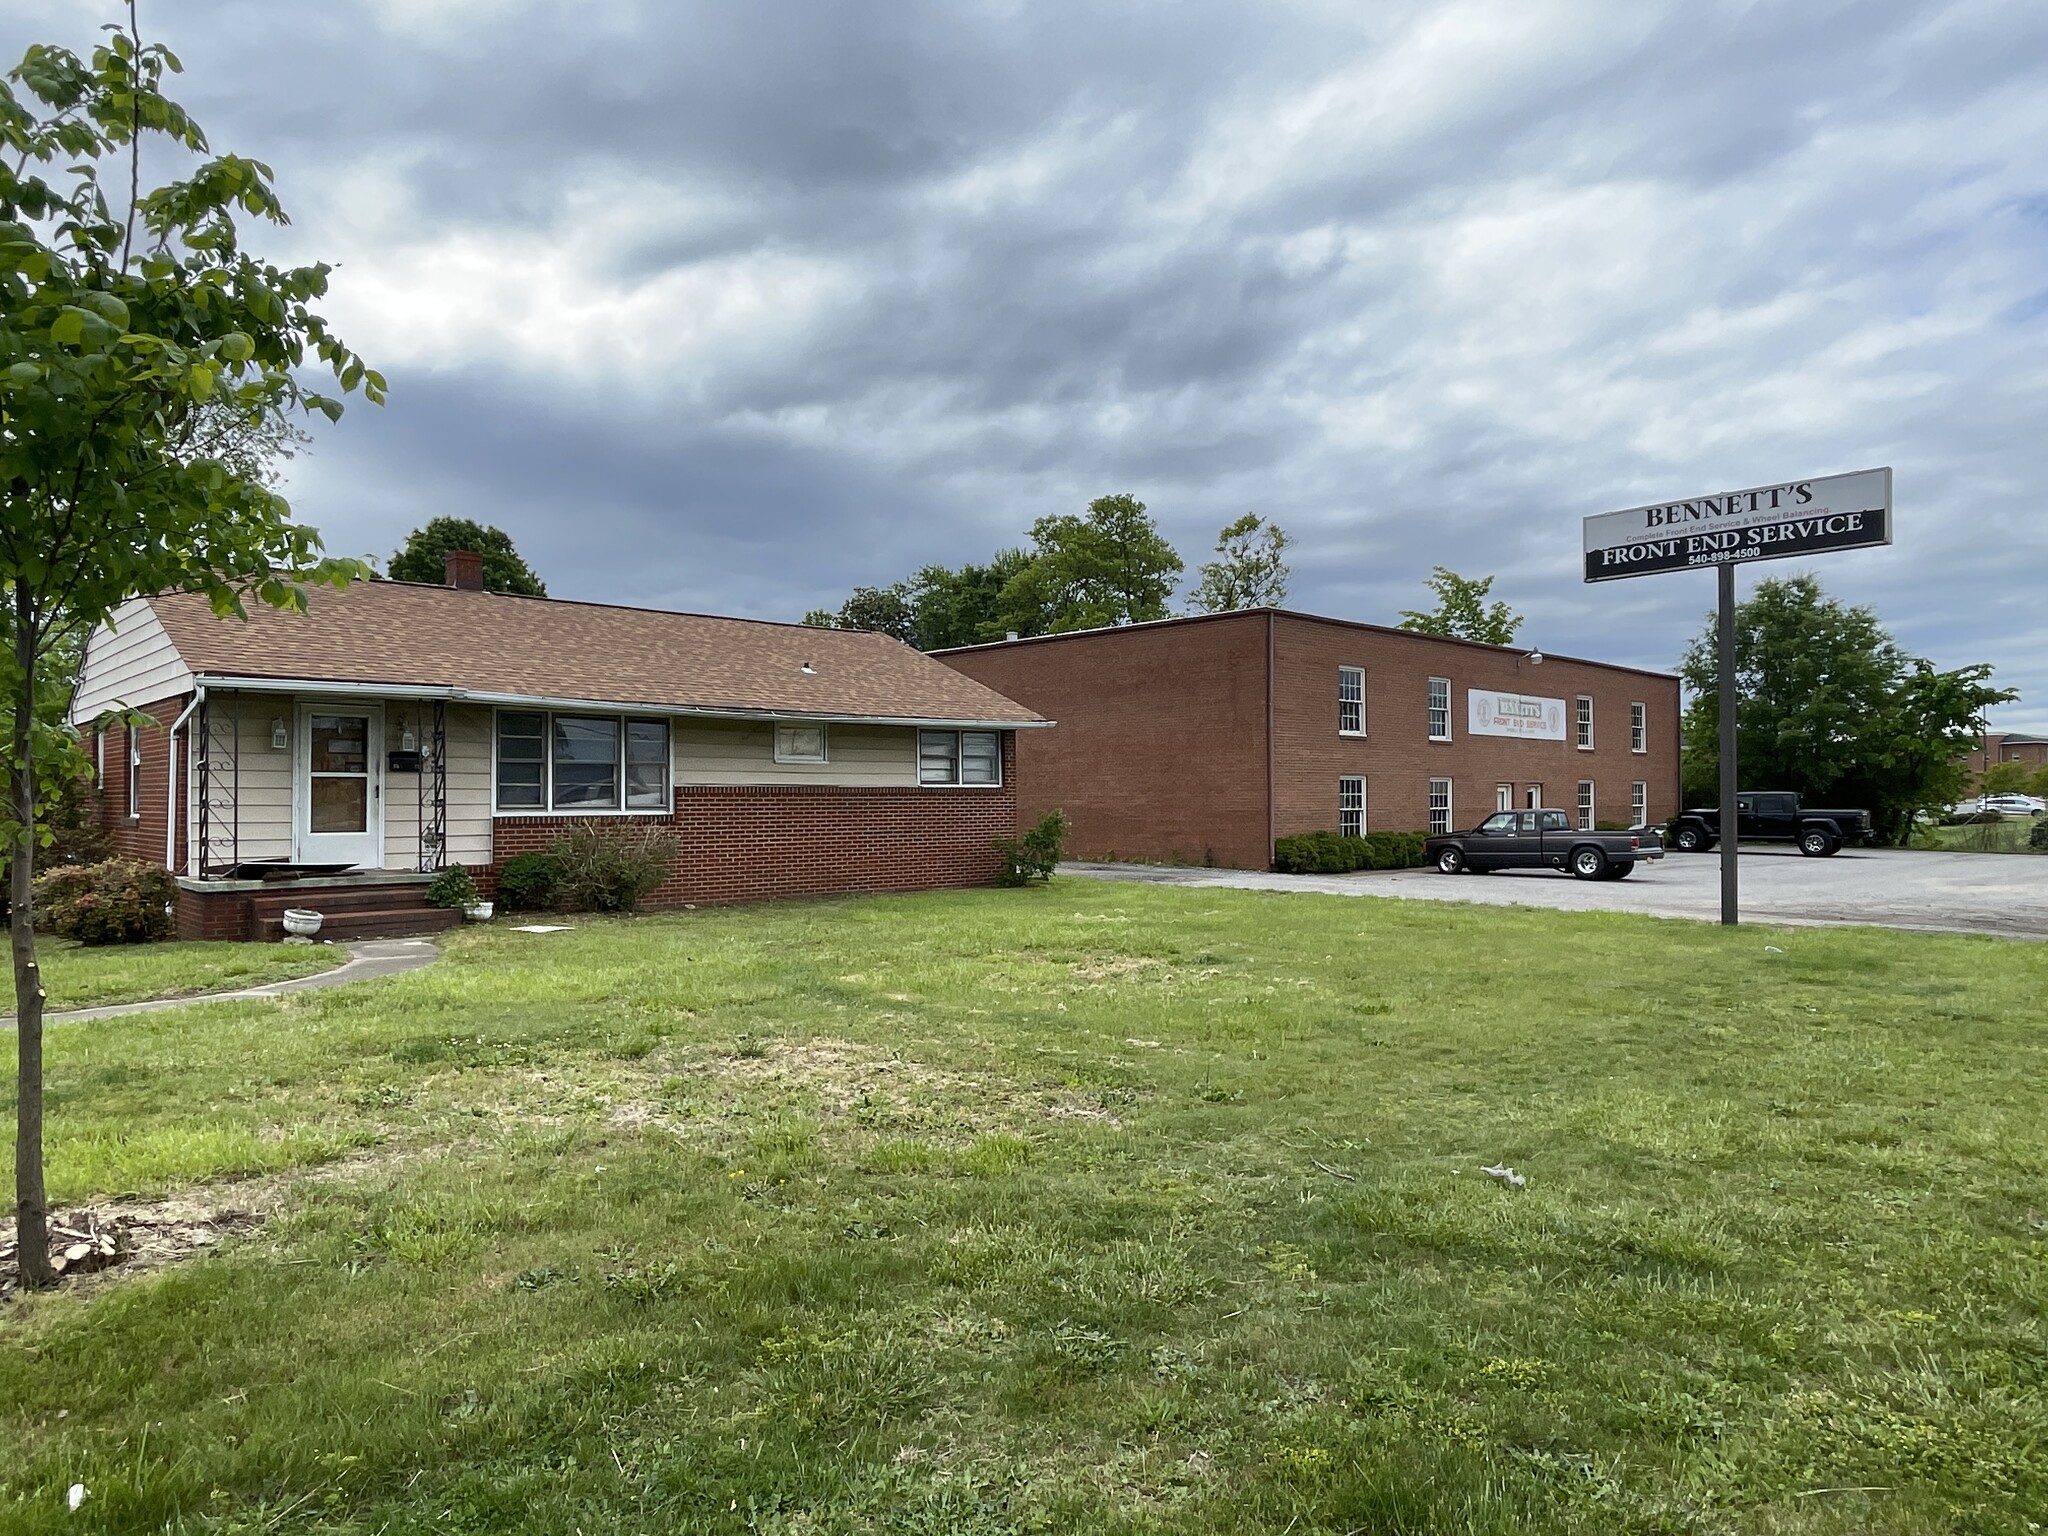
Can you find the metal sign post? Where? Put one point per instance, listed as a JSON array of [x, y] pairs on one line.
[[1724, 530]]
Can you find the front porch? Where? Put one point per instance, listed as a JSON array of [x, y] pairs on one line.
[[361, 904]]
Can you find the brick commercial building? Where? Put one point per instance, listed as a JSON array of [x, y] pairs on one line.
[[336, 758], [2008, 747], [1205, 738]]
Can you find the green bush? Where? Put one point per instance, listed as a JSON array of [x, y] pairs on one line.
[[1331, 853], [607, 870], [2038, 837], [118, 901], [529, 882], [1036, 854], [452, 887]]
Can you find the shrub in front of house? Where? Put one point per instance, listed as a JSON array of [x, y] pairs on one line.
[[528, 882], [117, 901], [2038, 837], [1036, 854], [606, 869], [451, 887], [1332, 853]]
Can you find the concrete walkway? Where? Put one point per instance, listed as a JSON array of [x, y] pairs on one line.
[[2005, 895], [368, 959]]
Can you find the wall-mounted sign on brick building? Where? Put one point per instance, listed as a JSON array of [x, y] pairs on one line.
[[1514, 714]]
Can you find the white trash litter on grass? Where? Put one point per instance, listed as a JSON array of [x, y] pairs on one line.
[[1505, 1175]]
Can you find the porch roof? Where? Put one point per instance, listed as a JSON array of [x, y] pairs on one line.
[[411, 640]]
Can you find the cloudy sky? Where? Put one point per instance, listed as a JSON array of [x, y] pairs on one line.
[[732, 306]]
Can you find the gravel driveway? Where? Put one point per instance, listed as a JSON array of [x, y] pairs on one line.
[[2004, 894]]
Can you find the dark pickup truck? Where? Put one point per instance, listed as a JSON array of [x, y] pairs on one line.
[[1774, 816], [1542, 840]]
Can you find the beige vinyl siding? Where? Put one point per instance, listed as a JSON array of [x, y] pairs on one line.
[[130, 661], [743, 752], [261, 783], [469, 784]]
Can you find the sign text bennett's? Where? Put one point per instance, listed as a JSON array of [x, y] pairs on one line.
[[1769, 522]]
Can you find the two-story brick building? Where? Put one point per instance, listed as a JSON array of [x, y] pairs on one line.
[[1206, 738]]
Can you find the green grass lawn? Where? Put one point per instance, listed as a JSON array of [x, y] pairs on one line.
[[2007, 836], [1097, 1208], [78, 976]]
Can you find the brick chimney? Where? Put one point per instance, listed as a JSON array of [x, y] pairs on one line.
[[464, 568]]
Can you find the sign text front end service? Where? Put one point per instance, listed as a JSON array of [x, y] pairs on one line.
[[1771, 522]]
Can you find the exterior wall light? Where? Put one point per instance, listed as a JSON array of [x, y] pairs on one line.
[[280, 738], [1535, 658]]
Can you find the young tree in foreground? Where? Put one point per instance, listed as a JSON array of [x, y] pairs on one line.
[[424, 556], [1461, 612], [1249, 570], [128, 320], [1830, 705]]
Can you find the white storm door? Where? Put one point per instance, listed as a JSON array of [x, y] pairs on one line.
[[338, 793]]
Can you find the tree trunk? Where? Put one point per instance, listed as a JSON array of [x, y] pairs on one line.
[[31, 1203]]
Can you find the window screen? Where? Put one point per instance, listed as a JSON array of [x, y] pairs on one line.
[[1439, 709], [1351, 701], [1638, 728], [1585, 805], [1351, 807], [1439, 806], [1586, 721]]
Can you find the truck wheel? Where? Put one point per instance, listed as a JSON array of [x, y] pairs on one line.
[[1690, 840], [1622, 871], [1451, 861], [1815, 843], [1589, 863]]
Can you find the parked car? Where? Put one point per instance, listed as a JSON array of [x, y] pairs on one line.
[[1775, 816], [2014, 805], [1542, 839]]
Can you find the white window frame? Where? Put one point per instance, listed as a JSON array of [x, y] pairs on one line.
[[1535, 797], [1639, 727], [1351, 803], [1350, 705], [1639, 803], [1586, 811], [134, 784], [1439, 686], [785, 733], [1439, 815], [1585, 722], [547, 807], [1503, 797], [959, 758], [99, 760]]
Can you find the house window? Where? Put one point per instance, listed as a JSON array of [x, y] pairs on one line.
[[1585, 805], [1351, 701], [581, 763], [1351, 807], [1439, 709], [800, 744], [1638, 728], [1585, 722], [1439, 806], [134, 771], [959, 757], [1639, 804]]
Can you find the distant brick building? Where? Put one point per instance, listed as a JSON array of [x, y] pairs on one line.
[[2008, 747], [1205, 738]]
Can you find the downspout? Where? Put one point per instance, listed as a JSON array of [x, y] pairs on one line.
[[171, 779], [1272, 814]]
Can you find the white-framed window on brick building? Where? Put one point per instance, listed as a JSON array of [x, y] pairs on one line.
[[1351, 807], [1585, 722], [1639, 727], [1639, 804], [1503, 797], [959, 758], [1351, 701], [1439, 709], [1585, 805], [134, 785], [1439, 807], [579, 764]]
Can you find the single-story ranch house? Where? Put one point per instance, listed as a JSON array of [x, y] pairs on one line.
[[334, 759]]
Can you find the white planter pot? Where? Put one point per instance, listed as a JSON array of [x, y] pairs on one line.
[[302, 922], [478, 911]]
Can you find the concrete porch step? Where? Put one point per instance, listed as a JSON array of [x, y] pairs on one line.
[[362, 923]]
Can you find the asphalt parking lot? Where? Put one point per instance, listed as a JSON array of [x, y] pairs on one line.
[[2001, 894]]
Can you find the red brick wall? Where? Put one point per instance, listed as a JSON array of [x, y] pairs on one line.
[[749, 843], [1159, 750], [142, 836], [1397, 759], [1160, 747]]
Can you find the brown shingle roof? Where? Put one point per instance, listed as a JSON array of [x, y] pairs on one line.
[[404, 635]]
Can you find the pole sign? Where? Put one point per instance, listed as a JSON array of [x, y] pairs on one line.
[[1771, 522]]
